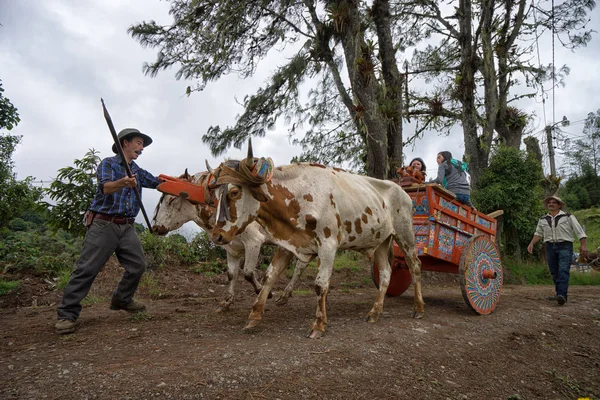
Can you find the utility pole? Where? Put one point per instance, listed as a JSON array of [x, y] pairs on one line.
[[550, 149]]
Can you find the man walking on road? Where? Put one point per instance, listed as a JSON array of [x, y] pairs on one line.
[[557, 229]]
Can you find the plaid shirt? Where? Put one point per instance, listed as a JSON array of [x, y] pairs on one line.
[[123, 202]]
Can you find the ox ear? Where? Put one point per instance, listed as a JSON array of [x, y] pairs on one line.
[[250, 156], [258, 194], [186, 175], [208, 168]]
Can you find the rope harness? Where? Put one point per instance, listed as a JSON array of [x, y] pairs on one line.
[[252, 172]]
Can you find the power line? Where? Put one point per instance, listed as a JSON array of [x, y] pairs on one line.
[[537, 45]]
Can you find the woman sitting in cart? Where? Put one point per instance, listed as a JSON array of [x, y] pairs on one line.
[[419, 165], [452, 175]]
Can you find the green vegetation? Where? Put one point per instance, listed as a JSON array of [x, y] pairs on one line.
[[140, 317], [570, 388], [35, 250], [8, 286], [590, 219], [150, 282], [91, 299], [512, 183], [72, 192], [175, 250], [350, 260], [520, 273]]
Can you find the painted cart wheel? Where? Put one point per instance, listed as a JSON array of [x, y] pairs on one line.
[[400, 280], [480, 273]]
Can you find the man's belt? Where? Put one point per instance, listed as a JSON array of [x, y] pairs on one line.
[[115, 219]]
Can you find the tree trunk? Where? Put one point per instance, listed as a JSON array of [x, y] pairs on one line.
[[393, 84], [359, 62], [508, 124], [476, 154], [489, 75]]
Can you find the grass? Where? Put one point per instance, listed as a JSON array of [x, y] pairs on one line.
[[209, 268], [8, 286], [538, 274], [91, 299], [63, 278], [585, 278], [140, 317], [570, 388], [150, 282], [350, 260]]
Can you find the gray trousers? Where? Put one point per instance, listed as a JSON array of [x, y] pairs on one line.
[[102, 239]]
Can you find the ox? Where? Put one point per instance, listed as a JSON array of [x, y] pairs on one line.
[[311, 210], [172, 212]]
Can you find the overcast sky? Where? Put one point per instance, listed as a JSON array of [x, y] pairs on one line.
[[59, 57]]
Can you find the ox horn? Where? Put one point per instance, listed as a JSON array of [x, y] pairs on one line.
[[250, 157], [184, 195], [186, 175], [208, 168]]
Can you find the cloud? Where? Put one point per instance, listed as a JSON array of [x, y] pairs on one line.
[[60, 57]]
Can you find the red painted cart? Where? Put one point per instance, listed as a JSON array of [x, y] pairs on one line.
[[451, 237]]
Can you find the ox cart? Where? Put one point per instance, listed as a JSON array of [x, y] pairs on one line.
[[451, 237]]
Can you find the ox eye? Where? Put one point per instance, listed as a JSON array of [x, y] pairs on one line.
[[235, 193]]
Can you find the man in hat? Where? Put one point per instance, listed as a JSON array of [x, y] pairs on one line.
[[557, 229], [110, 229]]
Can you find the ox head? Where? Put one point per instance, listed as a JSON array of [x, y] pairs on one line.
[[172, 212], [240, 191]]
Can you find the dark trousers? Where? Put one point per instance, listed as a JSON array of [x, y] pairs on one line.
[[102, 239], [559, 257], [465, 199]]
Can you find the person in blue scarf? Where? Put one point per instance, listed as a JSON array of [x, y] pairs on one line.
[[453, 175]]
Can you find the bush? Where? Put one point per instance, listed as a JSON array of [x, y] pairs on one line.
[[41, 253], [174, 249]]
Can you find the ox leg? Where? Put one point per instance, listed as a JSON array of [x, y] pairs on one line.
[[234, 263], [407, 245], [325, 265], [252, 254], [382, 259], [287, 292], [280, 261]]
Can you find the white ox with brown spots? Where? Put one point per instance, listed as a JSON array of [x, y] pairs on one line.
[[313, 211], [172, 212]]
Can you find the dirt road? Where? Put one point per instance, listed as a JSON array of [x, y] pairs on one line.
[[528, 348]]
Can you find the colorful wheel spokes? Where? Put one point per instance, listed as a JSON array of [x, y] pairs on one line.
[[481, 258]]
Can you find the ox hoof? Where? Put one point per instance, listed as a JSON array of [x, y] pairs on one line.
[[372, 319], [282, 301], [221, 308], [250, 327], [315, 334], [417, 314]]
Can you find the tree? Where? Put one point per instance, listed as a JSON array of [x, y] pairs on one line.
[[9, 117], [357, 119], [73, 191], [585, 151], [487, 43], [15, 196], [512, 183], [583, 190]]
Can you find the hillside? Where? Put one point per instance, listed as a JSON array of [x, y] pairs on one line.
[[590, 220]]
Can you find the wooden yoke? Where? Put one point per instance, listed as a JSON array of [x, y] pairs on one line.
[[195, 194]]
